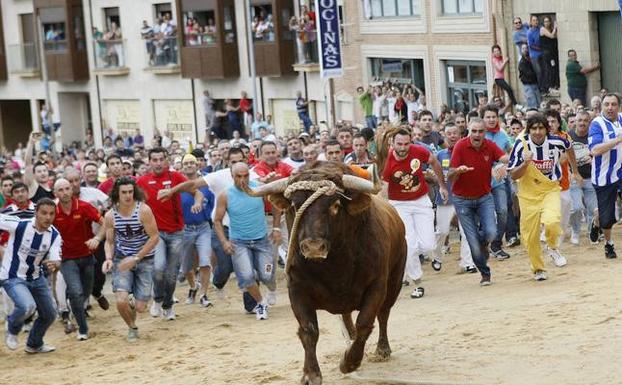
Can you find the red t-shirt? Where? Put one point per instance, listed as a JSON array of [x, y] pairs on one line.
[[475, 183], [168, 214], [107, 185], [245, 105], [405, 177], [282, 170], [75, 228]]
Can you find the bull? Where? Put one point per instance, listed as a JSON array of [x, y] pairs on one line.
[[347, 252]]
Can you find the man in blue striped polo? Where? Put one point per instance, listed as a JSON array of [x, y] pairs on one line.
[[32, 243], [605, 143]]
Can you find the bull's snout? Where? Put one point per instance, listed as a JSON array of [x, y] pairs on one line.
[[314, 248]]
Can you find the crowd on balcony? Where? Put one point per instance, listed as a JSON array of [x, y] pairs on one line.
[[263, 26], [197, 34], [109, 46], [161, 41], [305, 30]]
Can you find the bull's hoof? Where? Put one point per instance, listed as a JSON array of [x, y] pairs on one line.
[[311, 379], [382, 354], [346, 366]]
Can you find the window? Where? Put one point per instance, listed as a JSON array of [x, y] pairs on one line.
[[111, 15], [200, 28], [466, 80], [263, 24], [463, 7], [403, 71], [392, 8], [163, 9]]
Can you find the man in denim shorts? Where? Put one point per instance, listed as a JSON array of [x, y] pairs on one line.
[[248, 243], [131, 238]]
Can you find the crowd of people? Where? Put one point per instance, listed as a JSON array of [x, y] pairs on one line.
[[304, 27], [161, 41], [147, 216]]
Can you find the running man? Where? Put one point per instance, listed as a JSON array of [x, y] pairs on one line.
[[131, 238], [32, 243]]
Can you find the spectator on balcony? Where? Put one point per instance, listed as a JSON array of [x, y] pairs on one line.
[[100, 46], [295, 28], [192, 32], [499, 64], [519, 36], [147, 34], [576, 76], [550, 54], [114, 46], [169, 33], [535, 51], [310, 39], [209, 33]]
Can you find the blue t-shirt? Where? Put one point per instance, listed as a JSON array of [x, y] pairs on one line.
[[533, 40], [444, 157], [502, 140], [187, 200], [247, 220]]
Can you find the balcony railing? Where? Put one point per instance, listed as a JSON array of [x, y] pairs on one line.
[[55, 46], [162, 53], [306, 51], [23, 58], [109, 54]]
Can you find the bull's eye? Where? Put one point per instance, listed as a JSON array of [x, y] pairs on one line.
[[334, 208]]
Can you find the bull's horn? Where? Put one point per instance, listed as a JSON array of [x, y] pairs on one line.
[[363, 185], [278, 186]]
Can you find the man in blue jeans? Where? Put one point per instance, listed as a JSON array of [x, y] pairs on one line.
[[169, 217], [302, 107], [470, 172], [490, 114], [248, 244], [32, 243], [197, 235]]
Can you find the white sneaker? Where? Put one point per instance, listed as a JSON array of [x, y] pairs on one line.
[[558, 259], [156, 309], [540, 276], [82, 337], [574, 238], [169, 314], [271, 297], [42, 349], [261, 312], [11, 340]]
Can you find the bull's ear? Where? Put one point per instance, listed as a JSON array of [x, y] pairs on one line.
[[359, 203], [279, 201]]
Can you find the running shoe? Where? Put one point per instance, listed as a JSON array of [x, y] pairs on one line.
[[513, 242], [156, 309], [436, 264], [500, 255], [169, 314], [417, 293], [540, 275], [132, 335], [82, 337], [261, 312], [594, 232], [558, 259], [11, 340], [192, 295], [485, 281], [610, 253], [42, 349], [205, 302]]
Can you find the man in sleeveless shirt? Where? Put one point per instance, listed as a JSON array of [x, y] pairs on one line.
[[36, 176], [131, 238], [248, 243]]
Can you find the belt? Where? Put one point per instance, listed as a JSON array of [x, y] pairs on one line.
[[127, 256]]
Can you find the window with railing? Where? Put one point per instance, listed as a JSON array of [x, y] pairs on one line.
[[263, 23], [229, 24], [397, 70], [161, 47], [54, 29], [200, 28], [466, 80], [109, 53], [375, 9], [305, 31], [462, 7]]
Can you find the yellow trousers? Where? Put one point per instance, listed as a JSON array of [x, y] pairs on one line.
[[540, 203]]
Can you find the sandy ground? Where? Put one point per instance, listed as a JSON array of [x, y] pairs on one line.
[[562, 331]]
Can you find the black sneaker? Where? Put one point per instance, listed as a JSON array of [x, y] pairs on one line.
[[470, 269], [513, 242], [610, 253], [594, 233], [437, 265], [485, 281], [500, 255]]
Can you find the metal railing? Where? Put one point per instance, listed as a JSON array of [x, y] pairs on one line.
[[109, 54], [162, 52], [306, 47], [23, 58], [55, 46]]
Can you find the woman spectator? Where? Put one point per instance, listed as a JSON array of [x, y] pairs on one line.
[[500, 63], [548, 41], [192, 37]]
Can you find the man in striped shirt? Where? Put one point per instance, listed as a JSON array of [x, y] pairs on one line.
[[535, 162], [605, 143], [131, 238], [33, 242]]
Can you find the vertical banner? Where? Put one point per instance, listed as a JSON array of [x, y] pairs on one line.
[[329, 41]]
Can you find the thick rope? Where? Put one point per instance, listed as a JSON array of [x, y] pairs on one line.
[[321, 187]]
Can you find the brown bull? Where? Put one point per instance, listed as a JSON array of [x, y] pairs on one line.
[[347, 253]]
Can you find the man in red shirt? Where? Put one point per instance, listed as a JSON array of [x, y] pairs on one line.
[[74, 220], [269, 169], [408, 193], [170, 221], [470, 173], [115, 170]]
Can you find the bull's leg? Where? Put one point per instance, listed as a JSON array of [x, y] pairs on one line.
[[383, 350], [364, 326], [308, 332], [347, 322]]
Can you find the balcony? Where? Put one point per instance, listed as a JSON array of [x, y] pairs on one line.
[[274, 41], [306, 50], [110, 58], [24, 60], [162, 55]]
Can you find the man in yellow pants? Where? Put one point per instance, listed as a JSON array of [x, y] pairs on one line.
[[535, 164]]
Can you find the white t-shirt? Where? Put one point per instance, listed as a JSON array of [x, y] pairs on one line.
[[218, 182], [296, 164], [412, 106], [377, 105], [97, 198]]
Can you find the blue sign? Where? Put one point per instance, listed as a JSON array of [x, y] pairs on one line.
[[329, 41]]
